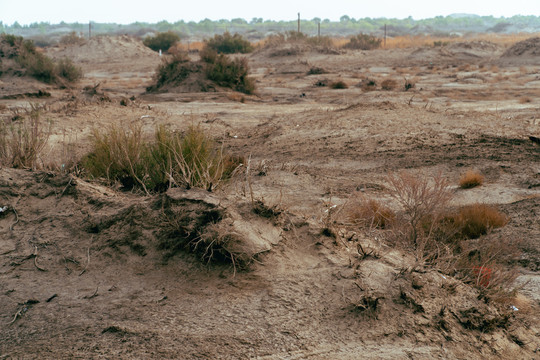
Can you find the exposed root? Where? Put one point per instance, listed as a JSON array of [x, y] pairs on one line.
[[93, 295], [87, 262], [18, 314], [16, 219], [35, 256], [65, 188]]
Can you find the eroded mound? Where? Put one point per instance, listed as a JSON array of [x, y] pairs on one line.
[[484, 46], [523, 52], [470, 51], [48, 210], [90, 267], [183, 78], [529, 47], [102, 49]]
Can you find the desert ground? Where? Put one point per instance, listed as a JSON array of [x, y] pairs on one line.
[[82, 274]]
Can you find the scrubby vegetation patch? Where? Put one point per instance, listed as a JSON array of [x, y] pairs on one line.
[[162, 41], [229, 44], [123, 155], [363, 42], [211, 70], [35, 64]]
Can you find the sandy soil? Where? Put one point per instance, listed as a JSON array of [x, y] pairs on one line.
[[83, 274]]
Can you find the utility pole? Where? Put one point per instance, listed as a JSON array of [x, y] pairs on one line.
[[319, 29], [89, 29], [298, 22], [385, 36]]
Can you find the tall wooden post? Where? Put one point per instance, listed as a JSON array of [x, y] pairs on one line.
[[298, 22], [89, 29], [319, 29], [385, 36]]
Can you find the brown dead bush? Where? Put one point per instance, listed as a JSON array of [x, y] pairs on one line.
[[452, 242], [477, 219], [471, 179], [371, 213], [389, 84], [420, 198], [339, 85]]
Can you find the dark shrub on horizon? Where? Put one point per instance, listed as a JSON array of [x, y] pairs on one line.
[[162, 41], [229, 44]]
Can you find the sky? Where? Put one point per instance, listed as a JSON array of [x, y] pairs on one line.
[[152, 11]]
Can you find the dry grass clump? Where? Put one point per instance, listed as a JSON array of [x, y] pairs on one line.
[[22, 141], [363, 42], [471, 179], [338, 85], [477, 219], [371, 213], [389, 84], [72, 39], [171, 159]]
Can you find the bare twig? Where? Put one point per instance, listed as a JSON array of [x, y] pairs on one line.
[[63, 191], [35, 255], [93, 295], [87, 262], [248, 179], [18, 314], [234, 265], [16, 219]]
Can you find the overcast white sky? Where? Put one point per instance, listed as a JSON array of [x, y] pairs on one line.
[[125, 11]]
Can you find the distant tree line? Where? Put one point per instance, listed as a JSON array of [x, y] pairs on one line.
[[258, 28]]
